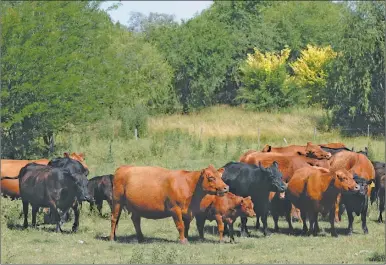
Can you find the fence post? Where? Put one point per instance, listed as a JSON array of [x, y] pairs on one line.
[[136, 133], [368, 135], [258, 138], [285, 141], [314, 133]]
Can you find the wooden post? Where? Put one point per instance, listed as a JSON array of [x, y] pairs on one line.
[[285, 141], [314, 133], [136, 133], [368, 134], [258, 138]]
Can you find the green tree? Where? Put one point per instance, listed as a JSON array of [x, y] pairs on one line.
[[356, 85]]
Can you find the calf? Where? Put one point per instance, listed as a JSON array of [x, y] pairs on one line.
[[223, 209], [313, 190], [100, 189], [380, 170], [58, 185], [381, 196], [156, 193], [357, 202], [255, 181]]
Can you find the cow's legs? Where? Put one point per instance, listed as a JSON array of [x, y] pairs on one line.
[[336, 210], [381, 206], [200, 222], [137, 225], [25, 211], [231, 232], [115, 214], [313, 223], [92, 205], [332, 222], [76, 218], [275, 218], [177, 217], [350, 222], [187, 226], [109, 201], [244, 229], [220, 226], [304, 219], [257, 222], [363, 218], [35, 210], [289, 221], [99, 205], [265, 226]]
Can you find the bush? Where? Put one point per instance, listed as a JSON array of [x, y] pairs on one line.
[[131, 119]]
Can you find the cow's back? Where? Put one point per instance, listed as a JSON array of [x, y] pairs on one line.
[[146, 189], [11, 168]]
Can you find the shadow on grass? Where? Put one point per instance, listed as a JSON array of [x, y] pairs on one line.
[[38, 227], [132, 239]]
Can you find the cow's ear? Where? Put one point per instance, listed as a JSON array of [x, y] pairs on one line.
[[267, 148], [275, 164], [66, 154], [221, 170], [241, 201], [370, 181]]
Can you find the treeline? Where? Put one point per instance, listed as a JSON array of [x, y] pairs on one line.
[[66, 63]]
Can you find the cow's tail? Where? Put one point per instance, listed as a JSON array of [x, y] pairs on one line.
[[9, 177]]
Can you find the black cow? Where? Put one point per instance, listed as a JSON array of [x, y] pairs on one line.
[[256, 181], [100, 189], [381, 196], [59, 185], [356, 202], [380, 170]]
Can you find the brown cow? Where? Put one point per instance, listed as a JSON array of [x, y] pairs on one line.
[[224, 209], [156, 193], [314, 191], [11, 168], [355, 163], [288, 164], [310, 150], [333, 145]]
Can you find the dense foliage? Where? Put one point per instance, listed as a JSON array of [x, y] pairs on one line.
[[67, 63]]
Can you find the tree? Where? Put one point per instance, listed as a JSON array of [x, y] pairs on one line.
[[310, 72], [355, 89]]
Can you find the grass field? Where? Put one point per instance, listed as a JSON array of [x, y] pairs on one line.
[[179, 142]]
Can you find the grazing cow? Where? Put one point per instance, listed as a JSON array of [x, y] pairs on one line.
[[314, 191], [381, 196], [288, 164], [380, 170], [310, 150], [156, 193], [59, 185], [101, 189], [355, 163], [224, 209], [255, 181], [357, 202]]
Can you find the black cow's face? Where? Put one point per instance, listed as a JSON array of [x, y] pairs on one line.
[[81, 183], [363, 184], [275, 177]]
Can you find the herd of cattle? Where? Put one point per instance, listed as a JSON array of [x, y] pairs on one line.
[[297, 182]]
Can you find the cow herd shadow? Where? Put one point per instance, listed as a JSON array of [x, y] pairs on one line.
[[132, 239]]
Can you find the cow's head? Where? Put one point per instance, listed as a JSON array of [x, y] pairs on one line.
[[363, 184], [344, 180], [212, 182], [315, 151], [77, 156], [267, 148], [274, 177], [246, 206]]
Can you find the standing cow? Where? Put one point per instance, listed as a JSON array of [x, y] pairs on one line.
[[314, 191], [156, 193], [100, 188], [59, 185], [256, 181]]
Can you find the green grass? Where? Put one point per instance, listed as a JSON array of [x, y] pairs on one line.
[[176, 142]]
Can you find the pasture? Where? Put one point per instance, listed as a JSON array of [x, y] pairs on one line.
[[178, 142]]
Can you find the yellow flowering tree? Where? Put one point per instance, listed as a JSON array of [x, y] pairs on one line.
[[264, 80], [310, 71]]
